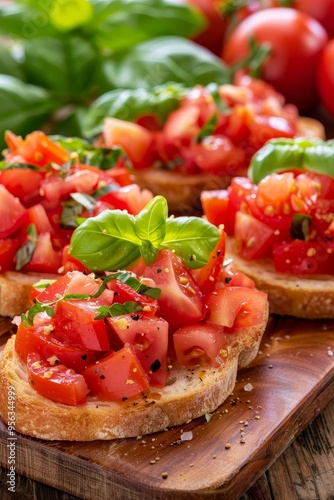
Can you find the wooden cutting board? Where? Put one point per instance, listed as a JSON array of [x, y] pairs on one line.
[[288, 384]]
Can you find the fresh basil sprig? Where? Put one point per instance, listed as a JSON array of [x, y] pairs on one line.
[[279, 155], [130, 281], [117, 309], [116, 240]]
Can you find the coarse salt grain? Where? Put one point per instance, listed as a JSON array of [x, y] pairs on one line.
[[248, 387]]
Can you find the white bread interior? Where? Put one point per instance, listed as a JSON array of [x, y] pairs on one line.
[[305, 296], [189, 393]]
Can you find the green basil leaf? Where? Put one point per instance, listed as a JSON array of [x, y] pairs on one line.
[[213, 88], [150, 223], [106, 242], [208, 128], [279, 155], [103, 190], [65, 66], [130, 104], [8, 64], [69, 214], [28, 319], [130, 281], [120, 24], [117, 309], [160, 60], [88, 202], [26, 21], [148, 252], [75, 296], [192, 239], [26, 251], [300, 227], [23, 107]]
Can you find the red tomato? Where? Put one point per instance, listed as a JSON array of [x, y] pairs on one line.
[[118, 376], [304, 257], [23, 183], [50, 344], [322, 11], [130, 198], [76, 320], [12, 213], [218, 155], [45, 258], [230, 276], [326, 76], [149, 337], [215, 205], [296, 41], [236, 307], [56, 382], [199, 344], [54, 290], [213, 34], [8, 249], [180, 300], [254, 239], [137, 142], [55, 188], [124, 293]]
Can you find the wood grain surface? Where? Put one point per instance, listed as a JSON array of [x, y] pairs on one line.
[[291, 382]]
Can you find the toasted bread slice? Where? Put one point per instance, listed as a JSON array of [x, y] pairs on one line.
[[305, 296], [189, 393], [183, 191]]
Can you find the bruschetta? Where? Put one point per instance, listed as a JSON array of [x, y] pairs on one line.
[[280, 223], [120, 354]]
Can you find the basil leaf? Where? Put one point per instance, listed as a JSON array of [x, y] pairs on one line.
[[28, 319], [117, 309], [75, 296], [213, 88], [208, 128], [130, 104], [300, 227], [150, 223], [26, 251], [69, 214], [163, 59], [88, 202], [26, 21], [107, 241], [103, 190], [148, 252], [130, 281], [192, 239], [279, 155]]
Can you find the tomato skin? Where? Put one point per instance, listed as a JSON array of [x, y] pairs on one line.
[[124, 293], [325, 76], [230, 276], [199, 344], [56, 382], [12, 213], [8, 249], [303, 257], [180, 299], [118, 376], [45, 258], [297, 41], [23, 183], [254, 239], [212, 36], [218, 155], [214, 204], [321, 11]]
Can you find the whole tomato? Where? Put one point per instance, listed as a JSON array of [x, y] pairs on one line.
[[326, 77], [296, 41], [321, 10], [212, 36]]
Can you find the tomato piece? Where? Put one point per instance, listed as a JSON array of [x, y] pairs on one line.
[[206, 276], [124, 293], [199, 344], [55, 188], [253, 238], [51, 345], [296, 41], [230, 276], [215, 204], [45, 258], [304, 257], [118, 376], [12, 213], [54, 290], [8, 249], [137, 142], [69, 263], [218, 155], [23, 183], [322, 216], [130, 198], [236, 307], [180, 300], [76, 320], [149, 337], [56, 382], [262, 128]]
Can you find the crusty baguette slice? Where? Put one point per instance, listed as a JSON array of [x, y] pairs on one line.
[[15, 289], [183, 191], [188, 394], [309, 297]]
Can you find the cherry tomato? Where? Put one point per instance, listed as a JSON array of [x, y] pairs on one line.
[[296, 41], [213, 34], [322, 11], [326, 77]]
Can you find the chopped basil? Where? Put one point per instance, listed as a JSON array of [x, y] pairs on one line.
[[300, 227], [26, 251], [117, 309], [130, 281]]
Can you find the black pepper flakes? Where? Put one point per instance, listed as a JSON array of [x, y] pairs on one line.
[[227, 279], [136, 317], [84, 357], [159, 270], [155, 366], [102, 377]]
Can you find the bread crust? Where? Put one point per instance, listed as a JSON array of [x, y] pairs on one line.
[[309, 297], [189, 393]]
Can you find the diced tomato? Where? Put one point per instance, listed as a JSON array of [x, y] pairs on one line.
[[215, 204], [149, 337], [263, 128], [118, 376], [253, 239], [23, 183], [51, 345], [76, 320], [124, 293], [304, 257], [199, 344], [180, 300], [56, 382], [69, 263], [236, 307], [45, 258], [137, 142], [55, 188], [322, 216], [54, 291], [12, 213], [38, 216], [230, 276], [8, 249], [206, 276], [130, 198], [218, 155]]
